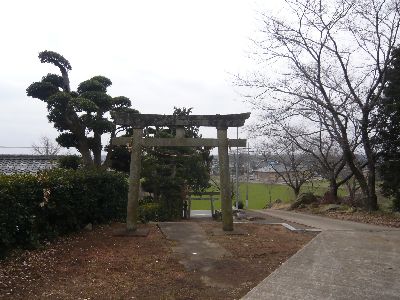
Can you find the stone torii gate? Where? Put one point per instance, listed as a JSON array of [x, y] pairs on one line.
[[140, 121]]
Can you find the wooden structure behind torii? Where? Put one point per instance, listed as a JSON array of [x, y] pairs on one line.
[[140, 121]]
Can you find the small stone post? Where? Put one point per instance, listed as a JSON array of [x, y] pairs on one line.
[[134, 181], [212, 205], [226, 201], [190, 206]]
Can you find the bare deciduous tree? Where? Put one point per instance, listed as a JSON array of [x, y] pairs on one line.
[[327, 62], [289, 162], [46, 146], [325, 154]]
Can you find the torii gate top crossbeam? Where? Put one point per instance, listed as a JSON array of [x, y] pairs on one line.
[[143, 120]]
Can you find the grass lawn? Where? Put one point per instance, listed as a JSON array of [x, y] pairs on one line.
[[260, 194]]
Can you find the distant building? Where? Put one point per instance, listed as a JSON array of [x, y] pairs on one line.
[[246, 163], [20, 164], [267, 174]]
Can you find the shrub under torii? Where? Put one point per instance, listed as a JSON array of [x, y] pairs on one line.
[[170, 173]]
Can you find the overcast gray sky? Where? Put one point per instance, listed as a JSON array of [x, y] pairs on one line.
[[160, 54]]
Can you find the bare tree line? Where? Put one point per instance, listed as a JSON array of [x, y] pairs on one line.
[[330, 59]]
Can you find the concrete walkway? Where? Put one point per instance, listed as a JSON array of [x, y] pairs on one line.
[[347, 260], [193, 248], [322, 223]]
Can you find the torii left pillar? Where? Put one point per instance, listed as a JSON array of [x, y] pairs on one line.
[[226, 200], [134, 180]]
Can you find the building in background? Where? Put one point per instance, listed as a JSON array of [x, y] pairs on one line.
[[21, 163]]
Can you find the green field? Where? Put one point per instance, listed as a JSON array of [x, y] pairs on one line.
[[260, 194]]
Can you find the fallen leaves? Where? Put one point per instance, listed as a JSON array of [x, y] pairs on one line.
[[95, 264]]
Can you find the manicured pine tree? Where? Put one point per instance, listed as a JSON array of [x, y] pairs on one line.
[[80, 116]]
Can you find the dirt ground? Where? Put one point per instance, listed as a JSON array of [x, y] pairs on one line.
[[97, 265]]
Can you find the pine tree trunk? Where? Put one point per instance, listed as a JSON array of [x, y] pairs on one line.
[[97, 149]]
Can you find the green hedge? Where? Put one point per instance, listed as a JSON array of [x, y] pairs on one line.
[[149, 212], [34, 208]]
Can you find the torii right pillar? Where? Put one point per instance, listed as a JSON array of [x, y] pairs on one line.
[[226, 200]]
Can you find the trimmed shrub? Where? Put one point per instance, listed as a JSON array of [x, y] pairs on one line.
[[146, 200], [304, 199], [171, 202], [70, 162], [396, 203], [149, 212], [19, 199], [34, 208]]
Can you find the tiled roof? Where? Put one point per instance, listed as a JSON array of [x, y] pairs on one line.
[[12, 164]]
